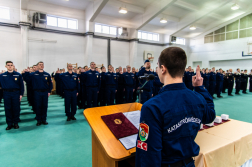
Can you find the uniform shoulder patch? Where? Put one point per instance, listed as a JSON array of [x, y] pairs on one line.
[[142, 145], [143, 131]]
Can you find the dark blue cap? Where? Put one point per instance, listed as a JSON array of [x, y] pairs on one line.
[[146, 61]]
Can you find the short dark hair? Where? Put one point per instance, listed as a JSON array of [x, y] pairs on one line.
[[40, 62], [174, 59], [102, 67], [85, 66], [8, 62], [34, 65]]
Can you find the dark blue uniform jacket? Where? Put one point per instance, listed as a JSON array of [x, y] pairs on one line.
[[12, 81], [91, 79], [149, 85], [173, 118], [129, 79], [70, 81]]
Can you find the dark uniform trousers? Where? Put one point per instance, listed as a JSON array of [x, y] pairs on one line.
[[1, 95], [250, 84], [129, 94], [145, 96], [70, 102], [12, 106], [219, 86], [79, 98], [102, 97], [83, 97], [92, 95], [41, 104], [120, 94], [244, 85], [230, 87], [237, 85], [110, 94], [212, 86]]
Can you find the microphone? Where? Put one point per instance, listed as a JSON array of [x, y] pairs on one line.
[[147, 77]]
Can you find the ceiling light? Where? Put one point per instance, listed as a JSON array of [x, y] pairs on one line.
[[66, 0], [123, 10], [235, 7], [192, 28], [163, 20]]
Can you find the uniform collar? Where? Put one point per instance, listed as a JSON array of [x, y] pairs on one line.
[[9, 73], [176, 86]]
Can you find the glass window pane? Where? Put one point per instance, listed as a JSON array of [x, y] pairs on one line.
[[155, 38], [5, 13], [149, 36], [119, 31], [62, 23], [139, 35], [112, 30], [105, 29], [144, 35], [98, 28], [72, 24], [51, 21]]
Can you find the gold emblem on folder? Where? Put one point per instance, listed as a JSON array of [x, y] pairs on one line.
[[15, 79], [118, 121]]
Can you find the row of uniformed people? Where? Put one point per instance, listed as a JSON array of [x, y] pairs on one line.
[[217, 82], [106, 87]]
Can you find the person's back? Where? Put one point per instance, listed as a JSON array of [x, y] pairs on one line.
[[170, 121]]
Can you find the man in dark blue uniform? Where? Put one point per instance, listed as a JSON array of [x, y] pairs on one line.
[[120, 91], [250, 81], [147, 89], [13, 89], [219, 83], [230, 81], [188, 78], [244, 81], [206, 77], [92, 83], [129, 84], [136, 85], [225, 82], [237, 81], [71, 88], [170, 121], [42, 87], [212, 82], [157, 85], [102, 92], [111, 85]]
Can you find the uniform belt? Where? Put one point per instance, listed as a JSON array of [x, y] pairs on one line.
[[179, 163], [71, 90], [10, 90], [110, 85], [41, 90], [92, 86]]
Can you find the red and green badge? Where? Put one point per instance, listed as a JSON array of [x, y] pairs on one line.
[[143, 131]]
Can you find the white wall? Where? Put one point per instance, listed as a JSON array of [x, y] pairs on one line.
[[119, 53], [10, 46], [67, 49], [100, 51], [228, 53]]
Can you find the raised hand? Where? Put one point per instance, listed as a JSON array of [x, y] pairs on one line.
[[197, 80]]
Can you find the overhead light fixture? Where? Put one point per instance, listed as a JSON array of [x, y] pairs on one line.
[[235, 7], [123, 10], [66, 0], [192, 28], [163, 20]]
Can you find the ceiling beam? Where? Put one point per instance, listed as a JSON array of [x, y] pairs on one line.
[[216, 16], [196, 16], [186, 5], [94, 8], [168, 18], [151, 11], [131, 8]]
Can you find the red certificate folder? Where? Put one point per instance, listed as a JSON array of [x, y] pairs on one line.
[[119, 125]]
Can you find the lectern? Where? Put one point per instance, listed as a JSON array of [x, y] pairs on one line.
[[107, 151]]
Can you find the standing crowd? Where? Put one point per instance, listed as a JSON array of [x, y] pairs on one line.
[[92, 87]]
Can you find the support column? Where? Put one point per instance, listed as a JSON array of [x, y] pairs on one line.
[[24, 24], [133, 61]]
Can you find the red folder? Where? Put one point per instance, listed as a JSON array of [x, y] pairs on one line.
[[119, 125]]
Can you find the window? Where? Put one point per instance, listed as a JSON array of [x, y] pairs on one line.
[[180, 41], [5, 13], [62, 22], [148, 36], [106, 29]]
